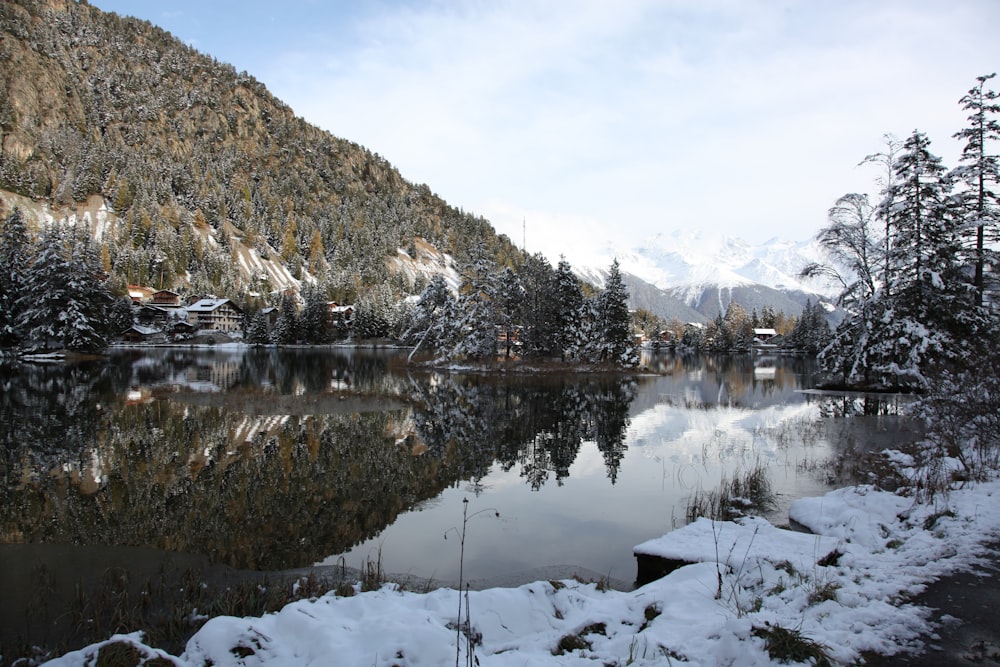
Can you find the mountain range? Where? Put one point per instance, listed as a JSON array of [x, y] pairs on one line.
[[694, 275]]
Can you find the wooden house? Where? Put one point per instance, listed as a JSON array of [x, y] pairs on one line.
[[139, 294], [762, 336], [166, 299]]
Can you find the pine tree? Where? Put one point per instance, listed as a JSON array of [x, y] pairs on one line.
[[431, 317], [605, 326], [119, 317], [374, 315], [617, 321], [538, 309], [588, 343], [692, 338], [718, 335], [768, 318], [924, 234], [739, 327], [979, 171], [286, 327], [258, 331], [569, 303], [509, 297], [15, 256], [314, 323], [476, 330], [65, 304], [812, 330]]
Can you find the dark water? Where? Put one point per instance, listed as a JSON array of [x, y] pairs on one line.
[[271, 460]]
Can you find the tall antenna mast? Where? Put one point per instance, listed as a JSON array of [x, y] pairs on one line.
[[524, 235]]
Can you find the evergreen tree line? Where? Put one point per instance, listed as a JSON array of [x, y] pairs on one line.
[[732, 332], [917, 265], [53, 293], [534, 312]]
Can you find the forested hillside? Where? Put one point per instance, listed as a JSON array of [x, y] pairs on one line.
[[199, 165]]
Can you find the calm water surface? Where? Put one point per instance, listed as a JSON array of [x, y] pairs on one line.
[[272, 460]]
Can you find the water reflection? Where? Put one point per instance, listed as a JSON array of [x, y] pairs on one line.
[[271, 459], [535, 424], [274, 459]]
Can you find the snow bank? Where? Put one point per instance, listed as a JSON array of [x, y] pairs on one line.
[[734, 544], [748, 575]]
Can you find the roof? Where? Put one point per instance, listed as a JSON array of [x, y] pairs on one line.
[[210, 305], [145, 331], [765, 332]]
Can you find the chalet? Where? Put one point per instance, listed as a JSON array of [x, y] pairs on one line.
[[140, 334], [215, 315], [181, 330], [763, 336], [139, 294], [165, 298], [271, 314], [341, 314], [152, 316]]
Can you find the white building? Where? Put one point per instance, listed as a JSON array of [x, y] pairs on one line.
[[215, 315]]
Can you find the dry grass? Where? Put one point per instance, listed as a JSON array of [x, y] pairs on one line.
[[747, 492]]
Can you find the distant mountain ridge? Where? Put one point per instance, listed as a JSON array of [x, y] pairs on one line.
[[693, 276]]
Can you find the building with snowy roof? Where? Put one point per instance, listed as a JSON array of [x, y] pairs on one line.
[[215, 315]]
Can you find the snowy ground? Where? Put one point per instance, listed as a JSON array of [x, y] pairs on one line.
[[840, 588]]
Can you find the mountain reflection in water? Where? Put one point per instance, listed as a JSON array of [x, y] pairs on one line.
[[273, 459]]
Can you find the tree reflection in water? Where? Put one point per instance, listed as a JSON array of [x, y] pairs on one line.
[[268, 459], [536, 423]]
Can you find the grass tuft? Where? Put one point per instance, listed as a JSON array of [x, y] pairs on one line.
[[746, 493], [786, 646], [118, 654], [570, 643]]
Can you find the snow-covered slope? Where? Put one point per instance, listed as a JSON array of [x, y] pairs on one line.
[[691, 259], [707, 270], [424, 261]]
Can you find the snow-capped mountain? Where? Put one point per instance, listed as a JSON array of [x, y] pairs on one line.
[[705, 271]]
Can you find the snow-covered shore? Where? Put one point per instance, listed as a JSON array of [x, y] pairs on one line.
[[842, 588]]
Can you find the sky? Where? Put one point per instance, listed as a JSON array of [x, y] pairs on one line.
[[570, 124]]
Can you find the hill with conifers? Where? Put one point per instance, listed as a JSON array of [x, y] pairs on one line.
[[194, 177]]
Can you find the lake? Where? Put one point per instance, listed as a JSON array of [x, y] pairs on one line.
[[268, 459]]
